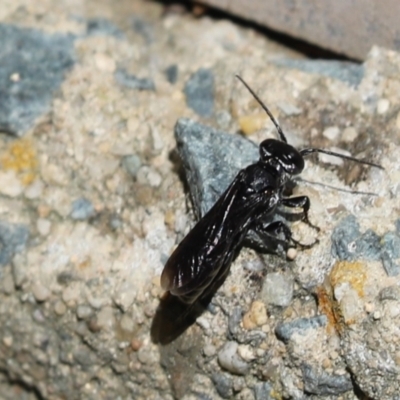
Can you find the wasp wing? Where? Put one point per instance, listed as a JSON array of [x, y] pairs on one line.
[[197, 259]]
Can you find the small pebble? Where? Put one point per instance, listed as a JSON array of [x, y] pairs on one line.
[[8, 341], [203, 322], [246, 352], [349, 134], [131, 164], [277, 289], [40, 292], [43, 226], [377, 315], [10, 185], [209, 350], [104, 63], [15, 77], [256, 316], [171, 73], [229, 359], [126, 323], [199, 91], [148, 176], [136, 344], [369, 307], [383, 106], [82, 209], [83, 311], [331, 133], [34, 190], [291, 253], [131, 81], [289, 109], [60, 308]]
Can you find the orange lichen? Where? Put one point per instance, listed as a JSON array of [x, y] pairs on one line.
[[329, 307], [20, 156], [352, 273]]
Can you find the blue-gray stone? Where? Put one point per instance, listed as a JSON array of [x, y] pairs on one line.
[[391, 244], [223, 384], [349, 244], [323, 384], [143, 28], [285, 330], [13, 239], [346, 71], [131, 164], [211, 159], [133, 82], [82, 209], [102, 26], [199, 91], [40, 61], [263, 391], [172, 73]]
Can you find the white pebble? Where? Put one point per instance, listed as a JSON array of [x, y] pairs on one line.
[[349, 134], [43, 226], [10, 185], [383, 106], [331, 133], [246, 352], [34, 190], [40, 292], [104, 62]]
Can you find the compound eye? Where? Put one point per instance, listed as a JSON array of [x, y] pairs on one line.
[[285, 154]]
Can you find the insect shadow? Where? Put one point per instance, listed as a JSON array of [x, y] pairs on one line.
[[201, 262]]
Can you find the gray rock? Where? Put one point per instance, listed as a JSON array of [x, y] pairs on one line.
[[82, 209], [211, 159], [262, 391], [348, 243], [277, 289], [132, 164], [235, 318], [323, 384], [133, 82], [223, 384], [346, 71], [13, 239], [199, 91], [38, 61], [229, 359], [102, 26], [171, 73], [285, 330]]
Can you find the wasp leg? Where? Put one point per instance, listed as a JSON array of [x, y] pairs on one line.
[[276, 234], [302, 202]]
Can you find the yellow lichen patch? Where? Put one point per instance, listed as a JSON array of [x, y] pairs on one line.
[[353, 273], [20, 156], [252, 123]]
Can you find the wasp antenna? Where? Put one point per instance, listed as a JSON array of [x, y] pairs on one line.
[[326, 186], [265, 108], [306, 152]]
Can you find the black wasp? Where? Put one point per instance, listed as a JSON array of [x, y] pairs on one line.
[[201, 262]]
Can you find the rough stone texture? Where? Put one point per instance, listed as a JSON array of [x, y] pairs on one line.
[[33, 66], [78, 296], [347, 28]]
